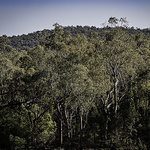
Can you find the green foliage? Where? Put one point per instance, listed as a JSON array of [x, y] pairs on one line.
[[76, 87], [31, 40]]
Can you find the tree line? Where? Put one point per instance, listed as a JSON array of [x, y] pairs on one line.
[[31, 40], [76, 91]]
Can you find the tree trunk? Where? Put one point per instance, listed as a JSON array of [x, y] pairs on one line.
[[115, 95], [81, 129], [61, 133], [116, 104], [106, 127], [94, 142], [59, 108]]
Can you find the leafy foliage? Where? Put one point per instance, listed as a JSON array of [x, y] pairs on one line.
[[76, 87]]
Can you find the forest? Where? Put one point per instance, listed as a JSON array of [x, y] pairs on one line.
[[76, 88]]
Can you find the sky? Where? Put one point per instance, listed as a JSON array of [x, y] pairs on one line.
[[19, 17]]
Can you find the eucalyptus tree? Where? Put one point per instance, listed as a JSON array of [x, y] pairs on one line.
[[122, 22], [73, 86], [119, 55]]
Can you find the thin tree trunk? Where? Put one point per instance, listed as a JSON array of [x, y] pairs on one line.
[[94, 142], [81, 130], [61, 133], [116, 105], [106, 127], [115, 95]]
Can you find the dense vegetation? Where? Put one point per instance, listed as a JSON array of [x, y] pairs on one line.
[[75, 89], [31, 40]]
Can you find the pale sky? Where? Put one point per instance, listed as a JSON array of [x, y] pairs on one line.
[[19, 17]]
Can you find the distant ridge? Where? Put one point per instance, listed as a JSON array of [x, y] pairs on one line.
[[24, 42]]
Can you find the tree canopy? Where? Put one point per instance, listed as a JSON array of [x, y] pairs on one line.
[[77, 87]]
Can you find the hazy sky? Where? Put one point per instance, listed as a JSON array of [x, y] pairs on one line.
[[25, 16]]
